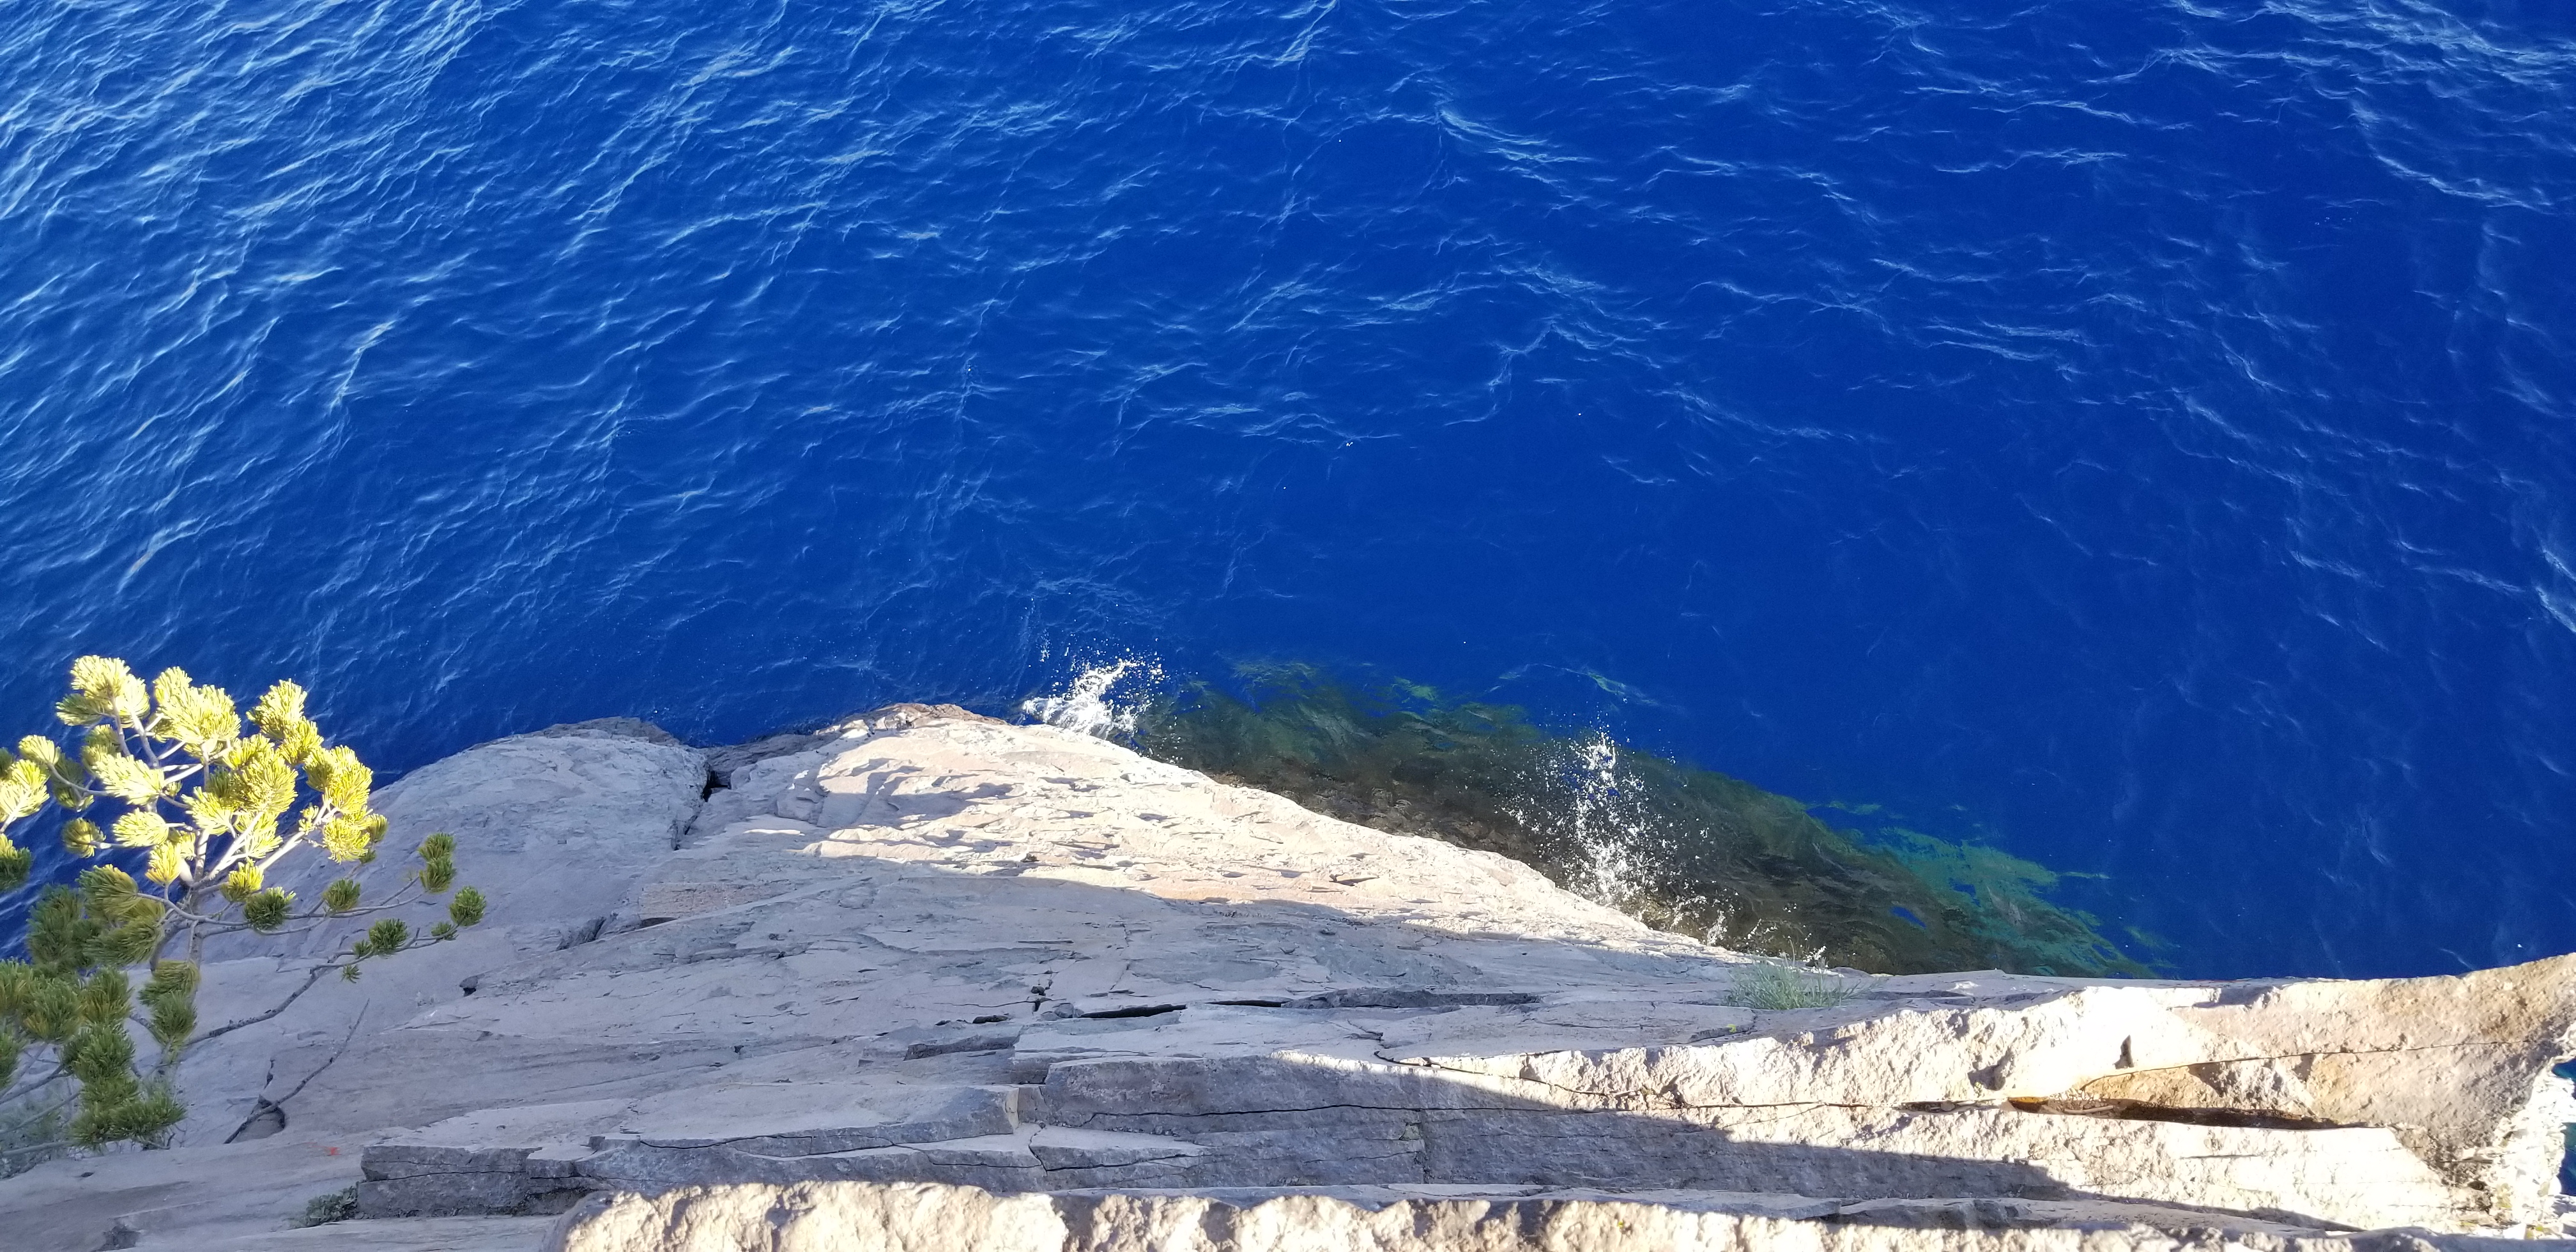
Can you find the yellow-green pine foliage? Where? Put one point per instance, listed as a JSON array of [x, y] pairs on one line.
[[244, 882], [202, 796], [202, 719], [65, 777], [203, 790], [341, 823], [280, 716], [22, 793], [104, 689]]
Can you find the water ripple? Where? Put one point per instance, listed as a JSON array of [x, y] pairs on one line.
[[2137, 433]]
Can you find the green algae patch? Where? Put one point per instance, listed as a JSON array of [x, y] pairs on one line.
[[1686, 849]]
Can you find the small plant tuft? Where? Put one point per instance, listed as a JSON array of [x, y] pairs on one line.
[[1777, 987], [339, 1206]]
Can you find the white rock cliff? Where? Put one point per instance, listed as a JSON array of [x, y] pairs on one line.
[[930, 981]]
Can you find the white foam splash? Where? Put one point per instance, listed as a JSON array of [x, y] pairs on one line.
[[1089, 703], [1611, 841]]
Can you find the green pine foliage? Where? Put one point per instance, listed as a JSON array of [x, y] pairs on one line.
[[171, 775]]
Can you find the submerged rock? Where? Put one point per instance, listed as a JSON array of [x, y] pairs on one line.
[[1685, 849], [1012, 987]]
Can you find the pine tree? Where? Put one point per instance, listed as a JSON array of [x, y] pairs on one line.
[[204, 800]]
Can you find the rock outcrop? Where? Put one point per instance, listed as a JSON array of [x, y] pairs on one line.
[[929, 980]]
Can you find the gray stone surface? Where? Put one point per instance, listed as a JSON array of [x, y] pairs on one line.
[[846, 1217], [924, 948]]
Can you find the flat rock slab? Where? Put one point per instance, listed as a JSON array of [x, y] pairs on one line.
[[426, 1234]]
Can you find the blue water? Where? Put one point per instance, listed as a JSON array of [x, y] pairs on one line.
[[2141, 433]]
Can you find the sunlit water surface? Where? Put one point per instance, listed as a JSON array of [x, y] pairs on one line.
[[2135, 435]]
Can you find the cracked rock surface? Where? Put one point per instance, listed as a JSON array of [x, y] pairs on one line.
[[925, 971]]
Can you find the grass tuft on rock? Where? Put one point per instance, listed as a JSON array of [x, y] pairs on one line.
[[338, 1206], [1776, 988]]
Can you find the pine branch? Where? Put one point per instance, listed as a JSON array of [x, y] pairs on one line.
[[310, 978], [32, 1149], [359, 910], [304, 835], [69, 1099], [34, 1085]]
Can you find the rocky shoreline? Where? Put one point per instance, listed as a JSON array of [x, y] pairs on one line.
[[927, 980]]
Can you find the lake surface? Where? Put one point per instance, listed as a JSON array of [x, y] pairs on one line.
[[2139, 437]]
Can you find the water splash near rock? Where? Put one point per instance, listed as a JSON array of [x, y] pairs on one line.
[[1103, 699]]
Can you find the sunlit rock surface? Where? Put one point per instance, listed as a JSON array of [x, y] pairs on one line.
[[928, 972]]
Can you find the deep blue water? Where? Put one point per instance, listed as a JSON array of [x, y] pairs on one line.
[[2140, 432]]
